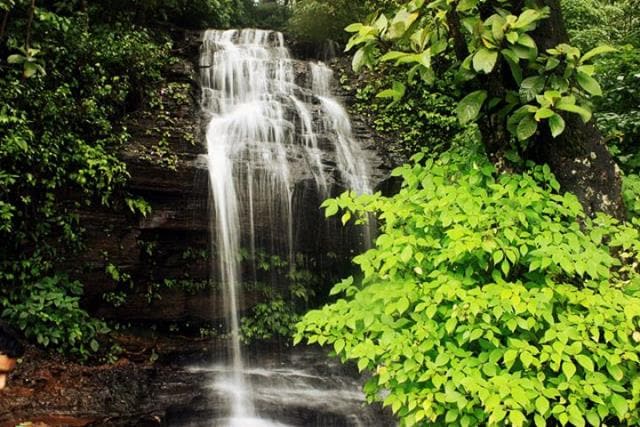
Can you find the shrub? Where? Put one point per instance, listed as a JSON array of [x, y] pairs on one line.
[[489, 298], [58, 155], [49, 313], [424, 118]]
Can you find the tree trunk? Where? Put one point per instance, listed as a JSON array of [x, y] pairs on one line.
[[578, 157]]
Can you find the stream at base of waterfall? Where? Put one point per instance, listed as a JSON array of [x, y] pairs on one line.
[[267, 124]]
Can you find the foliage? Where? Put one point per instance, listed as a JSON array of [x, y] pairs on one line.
[[489, 299], [631, 194], [60, 137], [321, 20], [269, 15], [543, 85], [48, 312], [601, 21], [196, 14], [284, 304], [424, 118], [619, 116]]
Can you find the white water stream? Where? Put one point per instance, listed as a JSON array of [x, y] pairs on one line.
[[262, 125]]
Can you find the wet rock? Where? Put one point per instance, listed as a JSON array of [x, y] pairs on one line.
[[301, 388]]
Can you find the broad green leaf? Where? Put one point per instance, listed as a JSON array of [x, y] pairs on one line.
[[556, 124], [542, 405], [345, 218], [589, 84], [484, 60], [469, 107], [597, 51], [510, 357], [615, 371], [406, 254], [530, 87], [585, 362], [593, 418], [517, 418], [527, 41], [16, 59], [393, 55], [528, 17], [465, 5], [331, 209], [353, 28], [526, 128], [526, 358], [358, 59], [544, 113], [573, 108], [569, 369], [620, 405], [512, 37], [401, 23]]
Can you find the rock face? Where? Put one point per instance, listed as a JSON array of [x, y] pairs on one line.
[[157, 269]]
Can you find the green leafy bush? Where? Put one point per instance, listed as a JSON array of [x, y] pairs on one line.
[[592, 22], [321, 20], [631, 195], [286, 295], [196, 14], [619, 108], [489, 299], [59, 146], [424, 118], [49, 312]]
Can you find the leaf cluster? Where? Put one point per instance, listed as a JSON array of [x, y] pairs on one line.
[[543, 85], [489, 299]]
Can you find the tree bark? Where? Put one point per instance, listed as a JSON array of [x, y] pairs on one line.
[[578, 157]]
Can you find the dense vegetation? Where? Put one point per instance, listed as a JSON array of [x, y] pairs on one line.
[[70, 74], [492, 296]]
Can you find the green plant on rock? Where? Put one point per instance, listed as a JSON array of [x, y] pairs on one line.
[[286, 297], [489, 299], [424, 118], [60, 134], [48, 311]]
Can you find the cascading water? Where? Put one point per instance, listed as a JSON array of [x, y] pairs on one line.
[[260, 123]]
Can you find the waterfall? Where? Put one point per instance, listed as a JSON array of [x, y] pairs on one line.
[[268, 129]]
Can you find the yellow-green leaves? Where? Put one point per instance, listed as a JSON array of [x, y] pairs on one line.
[[400, 23], [450, 334], [556, 124], [469, 107], [530, 87], [31, 63], [529, 17], [588, 83], [568, 104], [526, 128], [600, 50], [396, 92], [485, 60]]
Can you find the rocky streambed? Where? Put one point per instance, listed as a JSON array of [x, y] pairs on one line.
[[184, 383]]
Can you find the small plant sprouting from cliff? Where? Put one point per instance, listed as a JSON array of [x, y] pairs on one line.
[[285, 303]]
